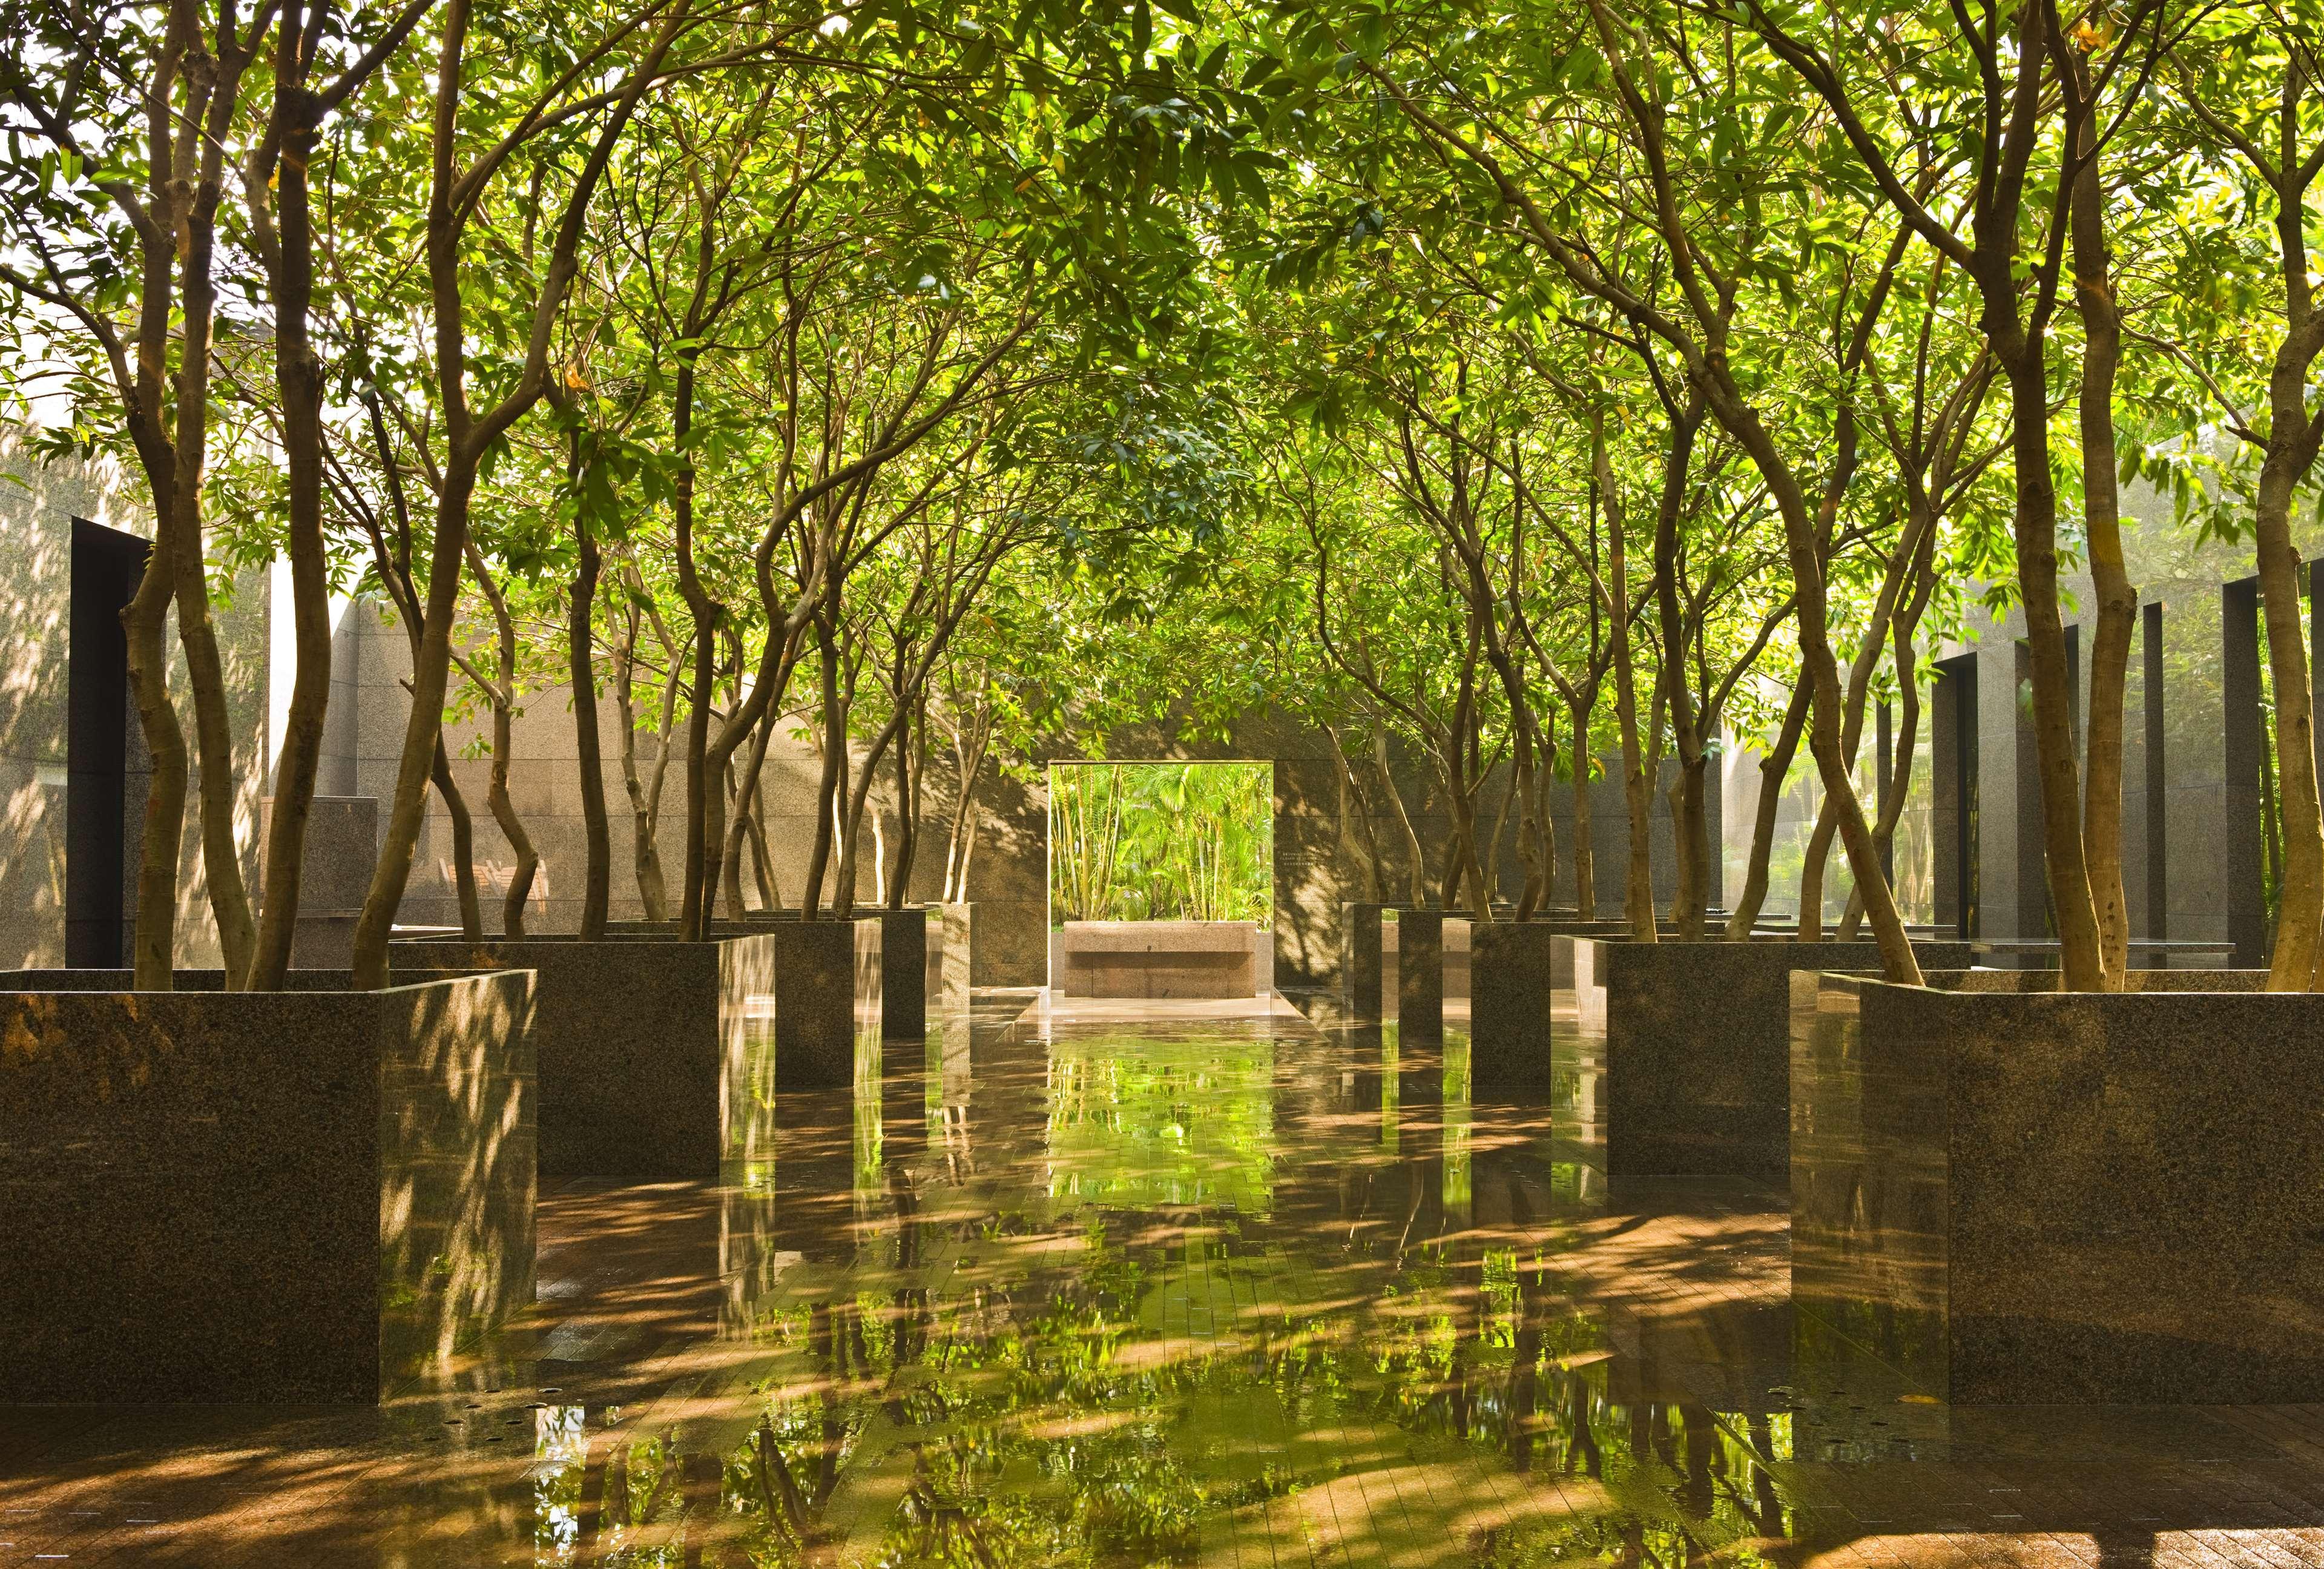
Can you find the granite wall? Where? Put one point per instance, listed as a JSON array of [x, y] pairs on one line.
[[2128, 1215], [40, 500], [295, 1197]]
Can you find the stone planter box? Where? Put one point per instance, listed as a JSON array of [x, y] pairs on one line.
[[653, 1054], [1419, 948], [2012, 1194], [903, 973], [827, 989], [1697, 1044], [299, 1196], [965, 966], [1158, 959]]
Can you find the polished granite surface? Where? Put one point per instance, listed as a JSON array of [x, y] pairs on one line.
[[1196, 1284]]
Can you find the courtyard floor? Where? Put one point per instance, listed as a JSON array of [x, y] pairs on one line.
[[1176, 1284]]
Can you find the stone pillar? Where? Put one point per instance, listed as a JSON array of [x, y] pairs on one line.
[[1511, 979], [1952, 794], [826, 982], [2243, 737], [959, 954], [903, 973], [1420, 972], [1359, 959]]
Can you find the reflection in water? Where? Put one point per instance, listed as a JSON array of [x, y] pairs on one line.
[[1137, 1294], [1234, 1291]]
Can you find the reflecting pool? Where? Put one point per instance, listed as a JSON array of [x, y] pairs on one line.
[[1186, 1284]]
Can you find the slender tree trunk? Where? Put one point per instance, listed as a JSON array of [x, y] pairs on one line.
[[229, 897], [1637, 790], [1585, 850], [834, 759], [464, 843], [1688, 835], [694, 912], [145, 620], [2117, 600], [645, 857], [1544, 783], [2080, 959], [770, 883], [1774, 770], [597, 885], [907, 792], [739, 825], [299, 383], [423, 729], [2294, 964]]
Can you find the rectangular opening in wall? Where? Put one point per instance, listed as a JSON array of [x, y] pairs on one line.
[[1138, 844], [106, 767]]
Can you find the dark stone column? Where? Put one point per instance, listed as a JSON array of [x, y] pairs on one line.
[[903, 973], [1359, 959], [1952, 793], [102, 836], [2243, 734], [1420, 972]]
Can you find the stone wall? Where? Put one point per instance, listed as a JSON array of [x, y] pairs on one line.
[[39, 501]]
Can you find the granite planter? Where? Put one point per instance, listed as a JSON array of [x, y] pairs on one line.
[[1420, 973], [827, 987], [1361, 953], [1697, 1043], [2015, 1195], [962, 972], [654, 1054], [299, 1196], [903, 973], [1158, 959]]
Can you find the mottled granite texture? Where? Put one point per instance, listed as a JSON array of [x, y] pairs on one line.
[[1158, 959], [1359, 959], [1697, 1047], [827, 987], [335, 871], [903, 973], [1511, 984], [295, 1197], [960, 965], [649, 1066], [1420, 972], [2015, 1195]]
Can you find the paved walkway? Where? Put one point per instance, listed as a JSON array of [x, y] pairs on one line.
[[1123, 1288]]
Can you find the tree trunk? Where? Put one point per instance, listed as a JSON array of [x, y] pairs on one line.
[[835, 757], [1687, 830], [1774, 770], [1585, 851], [1637, 790], [422, 730], [464, 843], [2117, 600], [145, 621], [597, 885], [2079, 958], [694, 912], [645, 855], [229, 898], [299, 383], [2294, 964]]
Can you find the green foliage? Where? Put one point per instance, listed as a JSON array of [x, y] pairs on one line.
[[1161, 841]]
